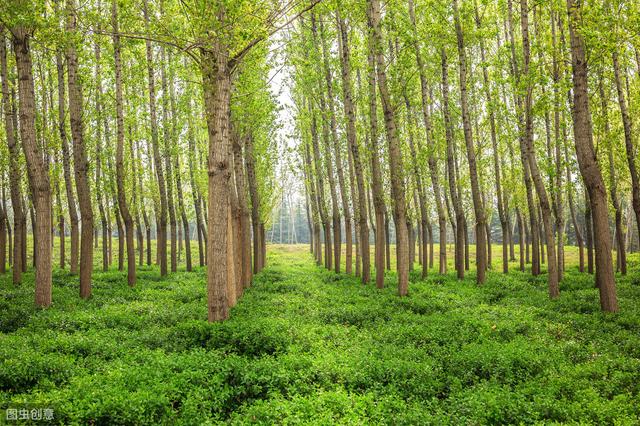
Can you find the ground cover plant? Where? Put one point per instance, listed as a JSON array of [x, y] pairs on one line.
[[307, 346]]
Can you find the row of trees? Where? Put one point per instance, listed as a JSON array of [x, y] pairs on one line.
[[485, 107], [102, 109]]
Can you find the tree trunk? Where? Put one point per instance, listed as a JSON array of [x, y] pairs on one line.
[[37, 168], [80, 162], [502, 213], [381, 252], [337, 238], [395, 153], [349, 111], [245, 215], [168, 135], [123, 205], [14, 165], [619, 234], [157, 160], [320, 190], [249, 160], [588, 163], [545, 206], [480, 226], [420, 189], [628, 139], [453, 185]]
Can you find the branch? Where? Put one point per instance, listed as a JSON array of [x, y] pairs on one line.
[[186, 49], [233, 62]]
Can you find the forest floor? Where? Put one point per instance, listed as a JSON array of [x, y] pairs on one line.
[[305, 345]]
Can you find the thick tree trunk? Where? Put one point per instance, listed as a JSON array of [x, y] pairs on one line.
[[37, 168], [217, 86], [395, 153], [588, 163]]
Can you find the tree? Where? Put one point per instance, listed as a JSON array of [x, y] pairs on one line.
[[587, 161]]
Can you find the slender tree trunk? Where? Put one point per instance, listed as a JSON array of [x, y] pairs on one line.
[[480, 227], [349, 111], [628, 139], [66, 161], [395, 154], [250, 167], [619, 234], [387, 234], [337, 238], [588, 229], [421, 202], [169, 140], [496, 154], [162, 217], [14, 165], [381, 248], [545, 206], [123, 205], [559, 206], [587, 161], [245, 215], [453, 186], [523, 139], [320, 190], [80, 162], [433, 167]]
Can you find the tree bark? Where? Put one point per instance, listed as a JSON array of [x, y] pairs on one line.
[[502, 213], [545, 206], [349, 112], [588, 163], [619, 235], [162, 216], [14, 165], [480, 226], [169, 140], [381, 251], [37, 168], [123, 205], [395, 154], [453, 185]]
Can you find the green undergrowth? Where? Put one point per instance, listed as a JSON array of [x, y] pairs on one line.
[[305, 345]]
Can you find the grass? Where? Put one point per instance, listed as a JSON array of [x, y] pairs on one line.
[[305, 345]]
